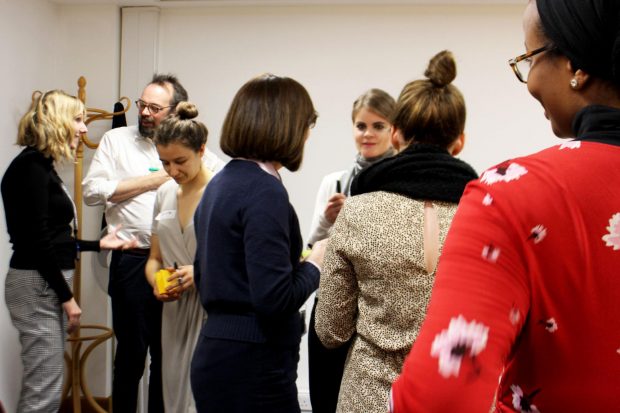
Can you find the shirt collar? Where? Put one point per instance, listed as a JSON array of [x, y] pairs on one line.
[[265, 166]]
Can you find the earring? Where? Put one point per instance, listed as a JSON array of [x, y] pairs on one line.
[[574, 83]]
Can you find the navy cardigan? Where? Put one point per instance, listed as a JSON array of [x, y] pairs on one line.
[[247, 270]]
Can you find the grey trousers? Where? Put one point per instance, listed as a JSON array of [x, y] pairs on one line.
[[37, 314]]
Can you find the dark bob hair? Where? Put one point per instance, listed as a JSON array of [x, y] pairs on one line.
[[268, 121]]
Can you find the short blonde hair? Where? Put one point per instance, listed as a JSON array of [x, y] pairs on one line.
[[268, 121], [48, 125]]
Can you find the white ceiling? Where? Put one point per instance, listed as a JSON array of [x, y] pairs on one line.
[[183, 3]]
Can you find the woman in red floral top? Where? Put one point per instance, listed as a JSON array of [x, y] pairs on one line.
[[526, 293]]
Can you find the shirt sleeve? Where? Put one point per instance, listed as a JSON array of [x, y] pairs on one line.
[[100, 183], [479, 303], [319, 228], [84, 245], [336, 310], [278, 284]]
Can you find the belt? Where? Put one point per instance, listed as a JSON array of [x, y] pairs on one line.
[[137, 251]]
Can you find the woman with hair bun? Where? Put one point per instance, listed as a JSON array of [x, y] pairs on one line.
[[180, 141], [382, 254], [524, 314]]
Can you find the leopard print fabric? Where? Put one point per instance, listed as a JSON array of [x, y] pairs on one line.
[[375, 287]]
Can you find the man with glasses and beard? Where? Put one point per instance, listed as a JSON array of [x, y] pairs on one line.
[[124, 176]]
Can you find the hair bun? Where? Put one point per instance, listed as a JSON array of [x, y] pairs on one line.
[[186, 110], [441, 69]]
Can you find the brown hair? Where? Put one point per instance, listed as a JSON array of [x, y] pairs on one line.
[[48, 125], [179, 94], [268, 121], [432, 110], [377, 101], [182, 128]]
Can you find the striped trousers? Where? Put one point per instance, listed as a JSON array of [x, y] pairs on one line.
[[37, 314]]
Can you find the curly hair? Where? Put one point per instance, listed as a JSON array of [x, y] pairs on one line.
[[48, 125]]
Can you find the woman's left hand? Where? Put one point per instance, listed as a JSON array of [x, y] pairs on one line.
[[113, 242], [181, 280]]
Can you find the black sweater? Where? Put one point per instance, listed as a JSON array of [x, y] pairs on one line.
[[38, 218]]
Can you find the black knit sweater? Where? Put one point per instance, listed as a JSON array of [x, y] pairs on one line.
[[38, 218]]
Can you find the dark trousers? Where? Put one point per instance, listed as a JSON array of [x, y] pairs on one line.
[[230, 376], [325, 367], [136, 319]]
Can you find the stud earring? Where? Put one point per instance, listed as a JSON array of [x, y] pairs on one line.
[[574, 83]]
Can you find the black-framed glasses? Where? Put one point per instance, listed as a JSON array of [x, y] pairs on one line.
[[153, 108], [521, 64]]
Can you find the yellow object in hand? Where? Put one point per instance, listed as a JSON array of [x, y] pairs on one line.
[[305, 253], [161, 279]]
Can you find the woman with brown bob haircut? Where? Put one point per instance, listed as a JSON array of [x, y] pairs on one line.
[[247, 269], [276, 112]]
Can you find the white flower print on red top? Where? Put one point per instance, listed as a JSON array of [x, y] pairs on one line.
[[612, 239], [514, 316], [550, 325], [571, 145], [460, 339], [490, 253], [503, 173], [521, 402], [538, 233], [487, 200]]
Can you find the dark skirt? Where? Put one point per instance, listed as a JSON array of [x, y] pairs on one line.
[[238, 377]]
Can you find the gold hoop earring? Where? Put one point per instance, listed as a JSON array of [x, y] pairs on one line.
[[574, 83]]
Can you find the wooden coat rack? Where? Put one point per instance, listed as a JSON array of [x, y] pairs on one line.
[[76, 385]]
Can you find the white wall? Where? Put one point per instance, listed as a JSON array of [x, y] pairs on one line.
[[339, 52], [336, 52], [28, 36]]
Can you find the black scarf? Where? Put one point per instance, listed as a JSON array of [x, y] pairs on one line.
[[597, 123], [421, 171]]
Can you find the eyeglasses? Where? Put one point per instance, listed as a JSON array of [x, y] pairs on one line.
[[521, 64], [153, 108]]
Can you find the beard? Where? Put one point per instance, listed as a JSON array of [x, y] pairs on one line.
[[146, 131]]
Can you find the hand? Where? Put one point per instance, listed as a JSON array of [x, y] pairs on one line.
[[158, 178], [112, 240], [334, 205], [181, 279], [165, 297], [73, 311], [318, 252]]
